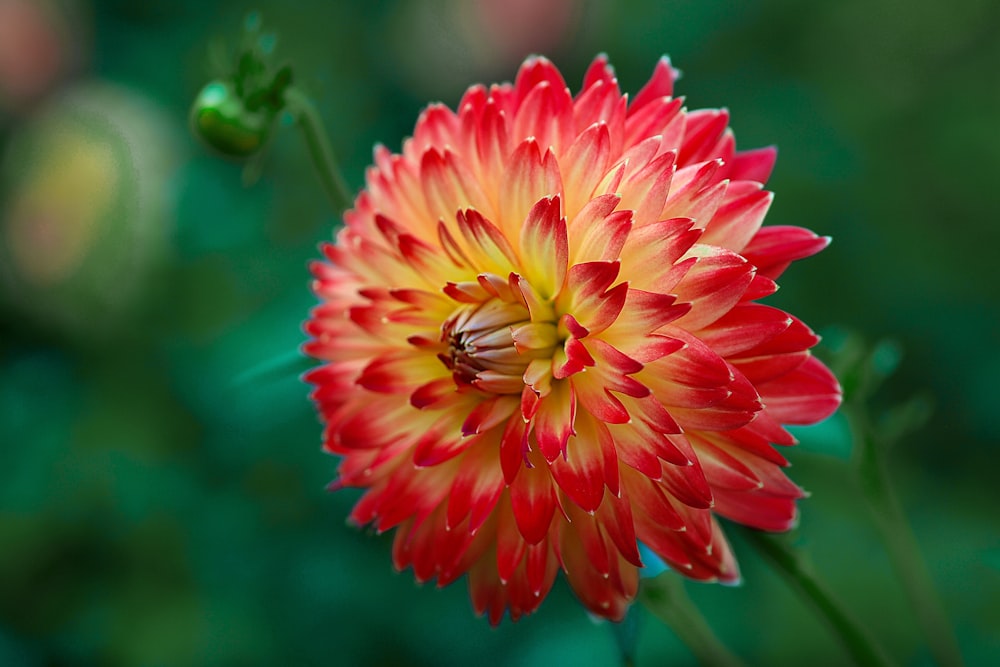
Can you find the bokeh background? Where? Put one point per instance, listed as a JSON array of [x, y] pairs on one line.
[[161, 484]]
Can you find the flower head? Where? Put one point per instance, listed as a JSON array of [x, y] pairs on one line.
[[542, 342]]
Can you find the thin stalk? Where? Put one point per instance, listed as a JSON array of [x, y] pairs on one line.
[[666, 598], [900, 543], [797, 569], [308, 119], [626, 634]]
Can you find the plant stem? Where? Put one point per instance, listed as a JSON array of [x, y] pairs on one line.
[[796, 567], [626, 634], [308, 118], [666, 598], [900, 543]]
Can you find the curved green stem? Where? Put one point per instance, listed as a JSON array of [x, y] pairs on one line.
[[797, 569], [901, 545], [666, 598], [308, 118]]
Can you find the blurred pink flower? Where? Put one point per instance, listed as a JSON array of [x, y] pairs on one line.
[[33, 51]]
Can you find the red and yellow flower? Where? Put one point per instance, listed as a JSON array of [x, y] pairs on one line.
[[542, 342]]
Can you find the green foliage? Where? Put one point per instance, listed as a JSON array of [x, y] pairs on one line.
[[159, 507]]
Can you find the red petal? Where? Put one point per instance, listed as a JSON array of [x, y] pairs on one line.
[[510, 545], [658, 118], [615, 517], [535, 71], [513, 449], [764, 369], [597, 238], [546, 113], [596, 400], [807, 395], [649, 500], [572, 358], [447, 186], [660, 84], [487, 593], [722, 469], [757, 510], [796, 338], [687, 484], [584, 165], [713, 285], [441, 442], [591, 538], [702, 135], [580, 473], [774, 248], [533, 502], [554, 420], [645, 191], [540, 567], [599, 71], [486, 246], [489, 413], [603, 594], [732, 412], [643, 313], [753, 165], [744, 327], [653, 250], [529, 177], [739, 218], [492, 142], [602, 102], [435, 127], [477, 486], [545, 247], [587, 297]]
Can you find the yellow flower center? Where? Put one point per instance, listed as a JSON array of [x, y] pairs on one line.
[[490, 344]]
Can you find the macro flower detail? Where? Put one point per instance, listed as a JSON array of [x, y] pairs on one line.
[[541, 342]]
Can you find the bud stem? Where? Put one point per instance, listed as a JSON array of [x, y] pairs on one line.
[[900, 543], [796, 567], [308, 118], [665, 597]]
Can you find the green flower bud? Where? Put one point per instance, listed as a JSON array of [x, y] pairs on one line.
[[222, 119]]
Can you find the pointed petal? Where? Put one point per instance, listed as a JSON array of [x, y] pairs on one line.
[[583, 166], [546, 114], [807, 395], [554, 420], [530, 176], [704, 131], [485, 245], [739, 218], [599, 71], [477, 486], [545, 247], [580, 473], [660, 84], [774, 248], [743, 328], [753, 165], [533, 501], [715, 284]]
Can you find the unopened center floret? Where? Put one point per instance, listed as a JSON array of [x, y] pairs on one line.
[[490, 345]]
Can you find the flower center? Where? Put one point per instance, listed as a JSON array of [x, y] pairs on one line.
[[490, 345]]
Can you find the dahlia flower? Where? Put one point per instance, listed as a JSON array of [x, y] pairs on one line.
[[542, 342]]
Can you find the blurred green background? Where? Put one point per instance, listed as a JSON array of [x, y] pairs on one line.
[[159, 508]]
